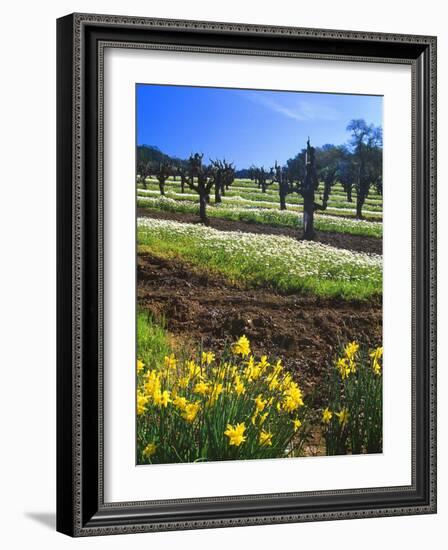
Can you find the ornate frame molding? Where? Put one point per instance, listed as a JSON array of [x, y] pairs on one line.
[[81, 42]]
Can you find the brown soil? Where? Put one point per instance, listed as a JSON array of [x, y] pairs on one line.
[[302, 330], [357, 243]]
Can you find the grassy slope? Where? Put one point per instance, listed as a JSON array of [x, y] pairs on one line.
[[260, 202], [263, 260], [251, 196], [267, 216]]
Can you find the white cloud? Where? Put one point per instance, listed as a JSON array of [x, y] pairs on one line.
[[297, 109]]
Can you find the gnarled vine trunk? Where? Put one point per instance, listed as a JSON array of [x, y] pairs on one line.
[[307, 191], [203, 209]]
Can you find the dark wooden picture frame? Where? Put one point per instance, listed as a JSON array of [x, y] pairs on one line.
[[81, 510]]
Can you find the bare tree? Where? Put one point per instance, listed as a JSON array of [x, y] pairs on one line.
[[367, 144], [285, 185], [223, 175], [261, 178], [307, 190], [347, 174], [162, 173], [140, 172], [144, 171], [229, 176], [201, 181], [217, 168], [183, 178], [252, 172], [327, 164]]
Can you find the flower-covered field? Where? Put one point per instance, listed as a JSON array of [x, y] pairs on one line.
[[245, 193], [280, 262], [373, 212], [267, 216]]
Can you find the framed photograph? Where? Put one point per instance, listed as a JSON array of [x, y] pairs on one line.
[[246, 274]]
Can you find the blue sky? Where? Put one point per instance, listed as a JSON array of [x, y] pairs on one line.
[[246, 126]]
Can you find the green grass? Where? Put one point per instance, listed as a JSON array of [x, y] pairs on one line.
[[277, 262], [153, 342], [267, 216]]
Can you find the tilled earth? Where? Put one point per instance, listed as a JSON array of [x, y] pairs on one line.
[[304, 331]]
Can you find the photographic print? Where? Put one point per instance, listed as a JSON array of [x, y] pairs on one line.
[[259, 274]]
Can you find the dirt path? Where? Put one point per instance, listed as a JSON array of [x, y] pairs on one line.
[[303, 330], [358, 243]]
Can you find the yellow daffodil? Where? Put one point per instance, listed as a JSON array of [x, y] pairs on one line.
[[343, 367], [170, 361], [233, 371], [274, 383], [241, 347], [260, 403], [217, 390], [236, 434], [191, 411], [180, 402], [202, 388], [286, 382], [142, 401], [288, 404], [265, 438], [184, 381], [263, 364], [207, 357], [327, 415], [193, 369], [376, 366], [342, 416], [149, 450], [293, 398], [140, 365], [296, 423], [376, 356], [165, 399], [151, 383], [351, 349], [252, 371], [239, 386], [376, 353], [278, 368], [161, 398]]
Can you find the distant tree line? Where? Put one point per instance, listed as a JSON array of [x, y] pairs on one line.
[[356, 166], [152, 154]]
